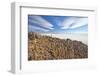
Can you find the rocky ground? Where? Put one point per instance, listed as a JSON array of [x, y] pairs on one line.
[[50, 48]]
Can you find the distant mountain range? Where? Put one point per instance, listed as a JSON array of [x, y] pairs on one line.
[[42, 47]]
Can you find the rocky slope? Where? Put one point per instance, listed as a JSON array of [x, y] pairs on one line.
[[50, 48]]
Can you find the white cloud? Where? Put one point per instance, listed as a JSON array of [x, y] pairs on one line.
[[68, 22], [34, 28], [73, 22], [41, 22], [80, 22]]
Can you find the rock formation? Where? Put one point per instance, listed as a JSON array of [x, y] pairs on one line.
[[50, 48]]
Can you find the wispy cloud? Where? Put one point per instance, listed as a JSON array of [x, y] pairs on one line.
[[34, 28], [41, 22], [67, 22], [57, 23], [73, 22], [81, 29], [80, 22]]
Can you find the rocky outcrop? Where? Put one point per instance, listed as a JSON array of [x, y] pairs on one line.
[[50, 48]]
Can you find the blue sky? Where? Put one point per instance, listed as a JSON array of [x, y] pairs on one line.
[[57, 24]]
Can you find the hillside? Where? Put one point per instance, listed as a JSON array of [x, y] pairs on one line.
[[50, 48]]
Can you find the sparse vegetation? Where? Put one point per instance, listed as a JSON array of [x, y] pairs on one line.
[[50, 48]]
